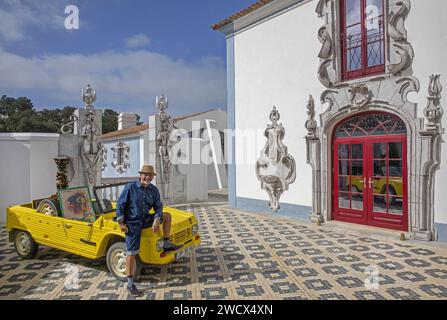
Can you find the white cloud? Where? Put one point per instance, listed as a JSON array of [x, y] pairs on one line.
[[16, 16], [126, 81], [137, 41]]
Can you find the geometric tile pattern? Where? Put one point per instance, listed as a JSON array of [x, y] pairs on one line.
[[244, 256]]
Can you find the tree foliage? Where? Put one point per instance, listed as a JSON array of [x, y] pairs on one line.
[[19, 115]]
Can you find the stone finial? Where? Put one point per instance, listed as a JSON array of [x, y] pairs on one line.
[[88, 95], [311, 123], [274, 115], [161, 102], [434, 112]]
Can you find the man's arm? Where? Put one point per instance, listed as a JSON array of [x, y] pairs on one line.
[[158, 205], [121, 204]]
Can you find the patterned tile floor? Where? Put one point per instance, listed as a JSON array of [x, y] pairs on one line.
[[243, 256]]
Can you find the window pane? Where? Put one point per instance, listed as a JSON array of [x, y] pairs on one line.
[[395, 205], [356, 184], [357, 168], [357, 151], [379, 150], [343, 151], [395, 187], [379, 168], [354, 59], [343, 200], [379, 185], [395, 168], [343, 184], [374, 52], [353, 12], [380, 204], [343, 167], [377, 4], [357, 201], [395, 150], [373, 12]]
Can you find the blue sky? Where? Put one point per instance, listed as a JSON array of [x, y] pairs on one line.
[[129, 50]]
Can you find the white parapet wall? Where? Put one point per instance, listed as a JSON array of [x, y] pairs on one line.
[[27, 168]]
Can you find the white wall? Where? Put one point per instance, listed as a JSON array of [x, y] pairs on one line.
[[27, 169], [276, 64], [220, 123], [427, 31]]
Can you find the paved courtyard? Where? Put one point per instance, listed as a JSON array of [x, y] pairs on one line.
[[244, 256]]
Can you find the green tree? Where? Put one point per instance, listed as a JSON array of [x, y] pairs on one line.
[[19, 115], [109, 121]]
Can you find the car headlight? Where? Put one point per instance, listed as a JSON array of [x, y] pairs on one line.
[[160, 245], [195, 229]]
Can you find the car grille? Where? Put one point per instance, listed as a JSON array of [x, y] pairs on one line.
[[181, 237]]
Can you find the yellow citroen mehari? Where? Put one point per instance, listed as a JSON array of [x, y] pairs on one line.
[[74, 222]]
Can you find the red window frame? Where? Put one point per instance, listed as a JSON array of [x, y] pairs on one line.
[[364, 70]]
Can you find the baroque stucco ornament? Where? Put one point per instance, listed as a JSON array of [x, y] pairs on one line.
[[359, 95], [121, 157], [398, 36], [326, 70], [434, 112], [275, 168]]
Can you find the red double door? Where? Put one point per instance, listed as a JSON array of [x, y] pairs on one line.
[[370, 181]]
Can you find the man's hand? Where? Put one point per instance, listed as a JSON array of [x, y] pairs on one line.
[[123, 227], [156, 225]]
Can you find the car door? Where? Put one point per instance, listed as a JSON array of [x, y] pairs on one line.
[[80, 236]]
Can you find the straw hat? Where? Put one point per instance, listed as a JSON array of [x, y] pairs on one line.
[[146, 169]]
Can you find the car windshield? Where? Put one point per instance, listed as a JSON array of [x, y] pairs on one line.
[[105, 195]]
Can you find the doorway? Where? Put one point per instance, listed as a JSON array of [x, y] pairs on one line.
[[370, 171]]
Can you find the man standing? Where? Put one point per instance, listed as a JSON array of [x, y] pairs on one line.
[[132, 214]]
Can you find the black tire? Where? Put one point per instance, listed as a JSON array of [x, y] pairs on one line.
[[25, 245], [116, 261], [49, 207]]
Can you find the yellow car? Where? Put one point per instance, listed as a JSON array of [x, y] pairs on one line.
[[395, 187], [44, 222]]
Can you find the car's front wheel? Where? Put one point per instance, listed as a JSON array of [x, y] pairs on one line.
[[116, 261], [25, 245]]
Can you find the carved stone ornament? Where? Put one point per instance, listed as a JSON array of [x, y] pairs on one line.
[[88, 95], [121, 157], [104, 157], [275, 168], [311, 123], [69, 127], [164, 137], [434, 112], [91, 147], [358, 95], [326, 72], [398, 36]]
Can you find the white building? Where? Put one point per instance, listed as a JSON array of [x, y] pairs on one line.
[[373, 156], [127, 149], [27, 170]]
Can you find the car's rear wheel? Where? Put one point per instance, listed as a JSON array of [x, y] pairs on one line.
[[49, 207], [25, 245], [116, 261]]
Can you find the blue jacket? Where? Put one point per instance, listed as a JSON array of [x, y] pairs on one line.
[[135, 201]]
